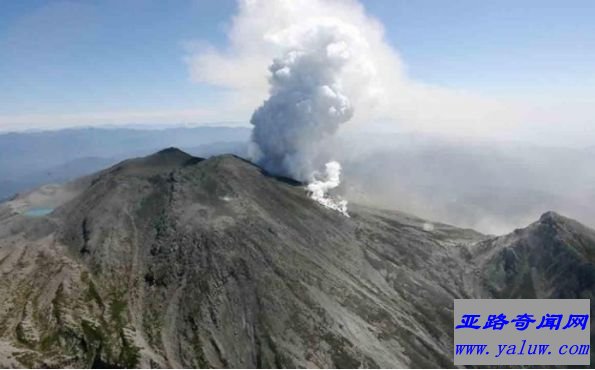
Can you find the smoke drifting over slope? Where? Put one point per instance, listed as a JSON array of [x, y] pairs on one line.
[[319, 188]]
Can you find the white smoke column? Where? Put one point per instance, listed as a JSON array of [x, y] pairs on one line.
[[307, 103], [374, 78], [319, 188]]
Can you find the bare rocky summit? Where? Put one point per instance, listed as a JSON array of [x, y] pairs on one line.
[[176, 261]]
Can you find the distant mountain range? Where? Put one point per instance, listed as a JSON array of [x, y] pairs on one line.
[[31, 159], [175, 261]]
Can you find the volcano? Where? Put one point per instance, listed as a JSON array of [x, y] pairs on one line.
[[175, 261]]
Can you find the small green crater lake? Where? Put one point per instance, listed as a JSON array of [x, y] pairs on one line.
[[38, 212]]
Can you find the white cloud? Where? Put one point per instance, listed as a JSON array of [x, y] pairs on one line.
[[391, 96]]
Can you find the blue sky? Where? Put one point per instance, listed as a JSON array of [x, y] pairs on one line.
[[61, 57], [494, 46], [113, 61]]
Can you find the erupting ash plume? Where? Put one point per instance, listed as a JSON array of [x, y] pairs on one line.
[[307, 104]]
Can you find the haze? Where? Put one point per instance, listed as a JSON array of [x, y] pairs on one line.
[[479, 114]]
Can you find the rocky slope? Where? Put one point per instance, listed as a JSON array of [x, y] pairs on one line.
[[175, 261]]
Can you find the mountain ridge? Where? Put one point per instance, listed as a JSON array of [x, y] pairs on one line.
[[175, 261]]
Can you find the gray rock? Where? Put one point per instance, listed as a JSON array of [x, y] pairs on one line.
[[174, 261]]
